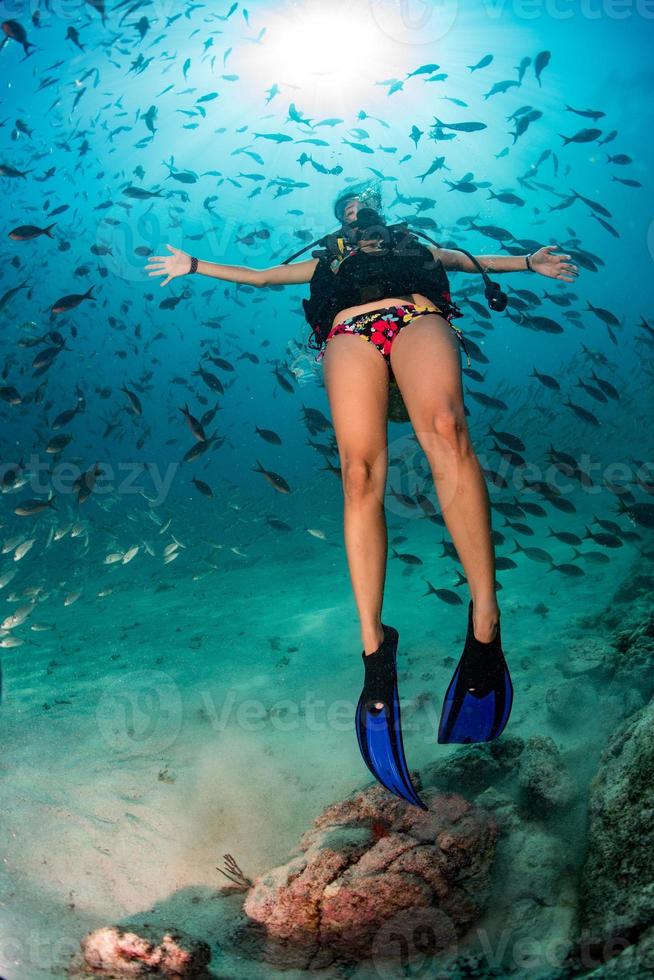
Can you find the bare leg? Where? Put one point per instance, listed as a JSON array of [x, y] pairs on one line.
[[356, 379], [426, 362]]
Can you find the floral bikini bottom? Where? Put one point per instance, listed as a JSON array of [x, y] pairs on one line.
[[380, 327]]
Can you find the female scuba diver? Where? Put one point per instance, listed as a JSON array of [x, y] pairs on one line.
[[372, 281]]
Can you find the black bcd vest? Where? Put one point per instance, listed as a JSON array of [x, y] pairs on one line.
[[346, 276]]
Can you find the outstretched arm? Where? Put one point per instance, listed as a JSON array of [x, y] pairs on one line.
[[178, 263], [542, 261]]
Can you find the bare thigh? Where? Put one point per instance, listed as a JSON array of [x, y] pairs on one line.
[[356, 381], [426, 362]]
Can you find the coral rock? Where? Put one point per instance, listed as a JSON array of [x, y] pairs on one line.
[[366, 862], [114, 952]]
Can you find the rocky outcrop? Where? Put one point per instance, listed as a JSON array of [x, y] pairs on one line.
[[617, 887], [544, 781], [368, 862], [170, 954]]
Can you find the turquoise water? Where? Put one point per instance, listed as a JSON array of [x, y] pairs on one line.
[[181, 678]]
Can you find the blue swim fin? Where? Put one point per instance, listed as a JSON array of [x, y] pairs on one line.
[[478, 701], [379, 731]]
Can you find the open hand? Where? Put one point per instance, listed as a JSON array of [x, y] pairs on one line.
[[554, 266], [177, 264]]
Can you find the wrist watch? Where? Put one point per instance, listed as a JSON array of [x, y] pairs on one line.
[[527, 257], [194, 264]]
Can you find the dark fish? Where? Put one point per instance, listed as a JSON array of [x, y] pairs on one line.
[[58, 443], [7, 171], [10, 395], [563, 504], [611, 230], [193, 424], [29, 507], [546, 380], [582, 413], [642, 514], [492, 231], [588, 113], [522, 67], [503, 564], [134, 401], [583, 136], [210, 380], [508, 509], [274, 479], [85, 483], [572, 571], [25, 233], [611, 526], [593, 205], [268, 436], [495, 478], [519, 528], [594, 557], [524, 122], [628, 181], [485, 61], [4, 299], [12, 29], [567, 537], [198, 448], [72, 34], [604, 538], [140, 194], [221, 363], [278, 525], [424, 70], [69, 302], [403, 498], [98, 6], [283, 382], [445, 595], [620, 158], [533, 508], [544, 324], [67, 416], [513, 442], [507, 198], [407, 558], [513, 458], [46, 358], [487, 400], [462, 127], [595, 393], [610, 319], [541, 63], [203, 487], [536, 554]]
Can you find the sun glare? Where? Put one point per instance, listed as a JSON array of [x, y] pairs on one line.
[[324, 47]]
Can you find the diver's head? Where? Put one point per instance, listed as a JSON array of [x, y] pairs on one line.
[[354, 199]]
